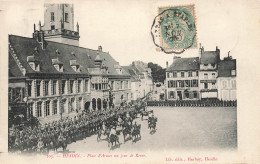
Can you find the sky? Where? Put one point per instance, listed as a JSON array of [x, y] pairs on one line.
[[123, 29]]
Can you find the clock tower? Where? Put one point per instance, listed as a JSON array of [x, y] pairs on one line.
[[59, 24]]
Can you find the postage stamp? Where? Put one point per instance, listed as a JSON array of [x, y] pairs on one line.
[[174, 29]]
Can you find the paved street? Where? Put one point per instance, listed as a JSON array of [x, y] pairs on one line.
[[177, 128]]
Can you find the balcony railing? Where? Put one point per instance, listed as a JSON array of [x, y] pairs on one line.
[[61, 32]]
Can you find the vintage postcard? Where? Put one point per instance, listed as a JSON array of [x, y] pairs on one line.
[[114, 81]]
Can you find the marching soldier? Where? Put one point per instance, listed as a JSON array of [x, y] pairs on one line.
[[40, 145]]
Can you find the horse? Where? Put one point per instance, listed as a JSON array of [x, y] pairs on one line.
[[127, 131], [60, 144], [49, 145], [152, 124], [136, 132], [113, 138], [106, 133]]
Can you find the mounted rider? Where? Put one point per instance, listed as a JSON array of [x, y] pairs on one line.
[[120, 121], [113, 132], [135, 126], [61, 138], [103, 127]]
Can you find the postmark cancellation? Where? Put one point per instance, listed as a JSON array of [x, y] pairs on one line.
[[174, 29]]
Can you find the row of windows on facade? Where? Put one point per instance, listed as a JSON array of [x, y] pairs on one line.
[[182, 74], [194, 74], [206, 76], [187, 94], [47, 84], [225, 85], [54, 107], [117, 85], [194, 83], [50, 87], [66, 17], [228, 84], [46, 109], [210, 86], [182, 83]]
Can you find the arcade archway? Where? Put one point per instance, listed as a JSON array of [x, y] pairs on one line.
[[94, 105], [99, 104], [86, 106]]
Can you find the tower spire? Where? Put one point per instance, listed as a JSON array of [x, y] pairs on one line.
[[61, 18]]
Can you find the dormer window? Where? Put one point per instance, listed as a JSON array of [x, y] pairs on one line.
[[118, 68], [75, 66], [34, 64], [57, 64]]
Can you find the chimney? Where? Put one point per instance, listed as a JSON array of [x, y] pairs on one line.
[[100, 48], [77, 27], [166, 64], [218, 53], [39, 37], [201, 50], [39, 26]]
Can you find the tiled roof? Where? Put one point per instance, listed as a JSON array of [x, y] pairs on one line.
[[14, 70], [141, 66], [136, 70], [129, 70], [184, 64], [85, 57], [225, 67], [209, 57]]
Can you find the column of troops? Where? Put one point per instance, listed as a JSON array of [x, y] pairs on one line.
[[58, 134], [193, 103]]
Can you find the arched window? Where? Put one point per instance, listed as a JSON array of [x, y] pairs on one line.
[[99, 104], [94, 104]]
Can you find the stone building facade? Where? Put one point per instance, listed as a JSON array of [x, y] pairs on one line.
[[203, 77], [60, 78], [182, 79], [227, 79]]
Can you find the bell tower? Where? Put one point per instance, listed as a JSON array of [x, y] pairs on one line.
[[59, 24]]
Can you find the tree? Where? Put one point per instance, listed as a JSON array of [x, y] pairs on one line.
[[158, 73]]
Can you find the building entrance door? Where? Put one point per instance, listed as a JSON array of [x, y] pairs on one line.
[[179, 95]]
